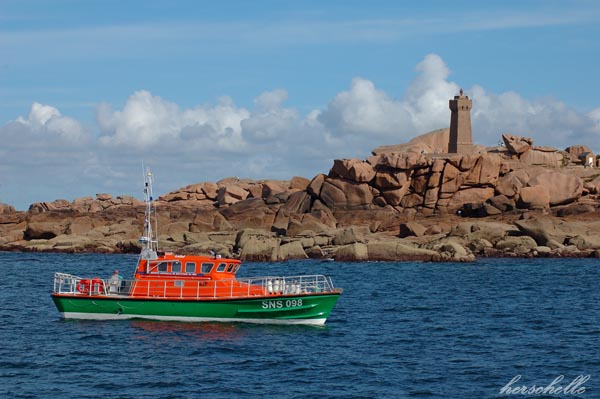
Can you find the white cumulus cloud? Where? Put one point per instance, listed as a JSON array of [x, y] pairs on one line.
[[270, 121], [594, 115], [148, 121], [367, 110], [548, 121], [46, 151], [47, 124]]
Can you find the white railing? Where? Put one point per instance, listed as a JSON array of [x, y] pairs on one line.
[[193, 288]]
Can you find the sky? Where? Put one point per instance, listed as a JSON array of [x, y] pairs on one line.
[[90, 91]]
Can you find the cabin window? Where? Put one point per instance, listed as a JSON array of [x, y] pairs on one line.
[[221, 267], [206, 268], [162, 267], [230, 268], [190, 267], [237, 267], [178, 283], [176, 267]]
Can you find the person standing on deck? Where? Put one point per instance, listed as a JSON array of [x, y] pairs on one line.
[[114, 282]]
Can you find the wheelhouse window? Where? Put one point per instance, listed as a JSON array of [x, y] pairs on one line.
[[221, 267], [162, 267], [190, 267], [176, 267], [230, 268], [206, 268]]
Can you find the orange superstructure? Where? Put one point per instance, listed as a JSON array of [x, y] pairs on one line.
[[184, 276]]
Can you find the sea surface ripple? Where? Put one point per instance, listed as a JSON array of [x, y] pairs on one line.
[[399, 330]]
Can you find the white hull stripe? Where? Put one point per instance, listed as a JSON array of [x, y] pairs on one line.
[[107, 316]]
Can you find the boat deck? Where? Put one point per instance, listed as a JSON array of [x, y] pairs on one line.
[[186, 288]]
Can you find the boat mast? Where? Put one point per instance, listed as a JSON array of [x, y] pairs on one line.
[[149, 240]]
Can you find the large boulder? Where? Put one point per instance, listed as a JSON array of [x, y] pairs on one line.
[[346, 236], [352, 253], [70, 243], [323, 214], [419, 181], [452, 179], [381, 219], [584, 242], [391, 179], [474, 195], [260, 249], [57, 205], [86, 204], [315, 185], [396, 251], [562, 188], [491, 232], [299, 183], [454, 251], [353, 169], [535, 197], [575, 209], [431, 197], [592, 185], [412, 229], [412, 200], [210, 220], [45, 230], [11, 234], [464, 162], [210, 190], [543, 156], [511, 184], [6, 209], [291, 250], [404, 160], [251, 212], [516, 245], [191, 192], [517, 144], [306, 222], [394, 197], [343, 194], [485, 172], [81, 225], [341, 168], [502, 203], [298, 202], [231, 194], [435, 141], [543, 231], [273, 187]]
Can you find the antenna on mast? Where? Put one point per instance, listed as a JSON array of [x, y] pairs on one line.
[[149, 239]]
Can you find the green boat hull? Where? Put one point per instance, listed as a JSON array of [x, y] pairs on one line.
[[298, 309]]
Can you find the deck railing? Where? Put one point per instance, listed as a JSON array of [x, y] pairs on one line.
[[186, 288]]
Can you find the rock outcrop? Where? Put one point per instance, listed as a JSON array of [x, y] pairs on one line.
[[516, 144], [405, 202]]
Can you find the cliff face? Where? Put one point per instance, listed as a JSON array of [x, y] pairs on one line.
[[409, 201]]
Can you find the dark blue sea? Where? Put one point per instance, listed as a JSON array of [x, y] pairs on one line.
[[400, 330]]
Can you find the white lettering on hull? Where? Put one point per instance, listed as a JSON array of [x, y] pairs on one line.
[[279, 304]]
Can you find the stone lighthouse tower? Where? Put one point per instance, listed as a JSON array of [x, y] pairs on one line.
[[461, 138]]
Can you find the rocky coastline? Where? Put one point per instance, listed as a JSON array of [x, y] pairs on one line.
[[405, 202]]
